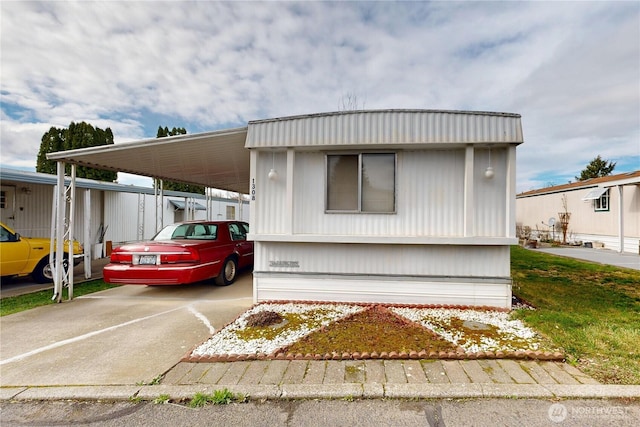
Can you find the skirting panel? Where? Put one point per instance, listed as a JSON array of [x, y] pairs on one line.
[[379, 289]]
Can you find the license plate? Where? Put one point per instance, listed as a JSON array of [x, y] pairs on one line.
[[147, 260]]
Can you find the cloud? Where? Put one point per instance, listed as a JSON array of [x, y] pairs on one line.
[[570, 68]]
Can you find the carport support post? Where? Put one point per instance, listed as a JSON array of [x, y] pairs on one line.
[[63, 231], [70, 227], [59, 215], [86, 238], [158, 186]]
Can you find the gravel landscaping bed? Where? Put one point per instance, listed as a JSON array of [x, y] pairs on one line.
[[273, 330]]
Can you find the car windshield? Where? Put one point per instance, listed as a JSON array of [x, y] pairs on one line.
[[188, 231]]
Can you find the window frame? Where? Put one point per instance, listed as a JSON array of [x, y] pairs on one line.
[[359, 209], [602, 203]]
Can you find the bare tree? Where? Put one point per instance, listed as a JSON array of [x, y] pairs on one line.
[[564, 219], [349, 102]]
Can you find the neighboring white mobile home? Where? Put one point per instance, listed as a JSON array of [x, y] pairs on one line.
[[118, 213], [604, 212]]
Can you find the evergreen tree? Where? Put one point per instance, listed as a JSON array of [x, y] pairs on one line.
[[52, 141], [77, 135], [597, 168], [171, 185]]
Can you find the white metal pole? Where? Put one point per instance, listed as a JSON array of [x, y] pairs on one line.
[[86, 238], [71, 225], [59, 244], [52, 235], [158, 191], [161, 206], [140, 223]]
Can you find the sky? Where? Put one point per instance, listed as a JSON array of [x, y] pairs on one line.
[[571, 69]]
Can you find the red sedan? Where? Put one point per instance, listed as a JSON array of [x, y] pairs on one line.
[[183, 253]]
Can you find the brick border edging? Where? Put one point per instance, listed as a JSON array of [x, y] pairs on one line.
[[412, 355]]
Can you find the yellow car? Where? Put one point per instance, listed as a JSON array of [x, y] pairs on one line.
[[20, 256]]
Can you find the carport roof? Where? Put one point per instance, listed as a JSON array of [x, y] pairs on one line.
[[215, 159]]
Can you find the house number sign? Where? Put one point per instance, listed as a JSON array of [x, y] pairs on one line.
[[253, 188], [289, 264]]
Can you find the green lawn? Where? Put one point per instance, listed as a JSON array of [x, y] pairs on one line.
[[589, 310], [19, 303]]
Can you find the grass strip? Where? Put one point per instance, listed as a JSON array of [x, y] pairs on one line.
[[591, 311], [24, 302]]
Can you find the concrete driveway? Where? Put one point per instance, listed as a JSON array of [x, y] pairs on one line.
[[125, 335], [600, 256]]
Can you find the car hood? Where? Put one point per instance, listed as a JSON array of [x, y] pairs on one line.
[[36, 241]]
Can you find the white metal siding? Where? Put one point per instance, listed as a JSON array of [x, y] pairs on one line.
[[429, 198], [120, 216], [490, 202], [409, 274], [271, 194], [33, 211], [406, 260], [429, 190], [496, 293], [386, 127]]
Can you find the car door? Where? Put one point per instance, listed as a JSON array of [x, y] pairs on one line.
[[14, 253], [243, 248]]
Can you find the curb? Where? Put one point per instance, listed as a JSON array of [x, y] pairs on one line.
[[325, 391]]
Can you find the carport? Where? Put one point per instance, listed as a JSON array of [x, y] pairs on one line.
[[215, 159]]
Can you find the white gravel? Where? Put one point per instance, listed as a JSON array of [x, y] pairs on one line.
[[508, 334], [513, 335], [313, 316]]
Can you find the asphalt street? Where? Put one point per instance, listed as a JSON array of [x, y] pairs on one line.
[[313, 413]]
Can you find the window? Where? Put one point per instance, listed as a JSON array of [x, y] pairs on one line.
[[361, 183], [231, 212], [188, 231], [237, 232], [3, 199], [6, 235], [602, 203]]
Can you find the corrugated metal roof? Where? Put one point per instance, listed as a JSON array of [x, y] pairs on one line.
[[627, 178], [386, 127], [213, 159], [13, 176]]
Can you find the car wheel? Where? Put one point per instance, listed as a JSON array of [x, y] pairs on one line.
[[228, 274], [43, 273]]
